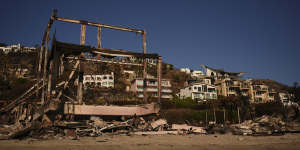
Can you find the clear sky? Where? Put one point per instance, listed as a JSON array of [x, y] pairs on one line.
[[261, 37]]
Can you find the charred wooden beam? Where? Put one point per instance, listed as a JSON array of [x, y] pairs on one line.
[[45, 68], [80, 76], [68, 80], [98, 24], [99, 38], [47, 30], [50, 80]]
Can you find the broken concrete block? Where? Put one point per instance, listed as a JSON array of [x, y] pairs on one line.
[[158, 123]]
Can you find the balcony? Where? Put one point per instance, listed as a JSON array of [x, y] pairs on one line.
[[166, 90], [166, 96], [151, 89]]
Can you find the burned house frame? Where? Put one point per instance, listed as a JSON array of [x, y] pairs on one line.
[[46, 94], [50, 67]]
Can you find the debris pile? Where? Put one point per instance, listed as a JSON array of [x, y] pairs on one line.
[[138, 126], [153, 125], [95, 126], [265, 125]]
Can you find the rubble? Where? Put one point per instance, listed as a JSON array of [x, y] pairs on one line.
[[265, 125], [96, 126], [190, 129]]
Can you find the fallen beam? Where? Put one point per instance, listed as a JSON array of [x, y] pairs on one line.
[[138, 110]]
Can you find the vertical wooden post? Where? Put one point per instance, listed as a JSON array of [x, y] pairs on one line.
[[99, 37], [54, 68], [99, 42], [45, 68], [61, 66], [82, 42], [159, 79], [145, 68], [49, 80], [83, 34], [40, 67]]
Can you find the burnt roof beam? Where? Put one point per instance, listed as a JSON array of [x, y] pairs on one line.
[[98, 24]]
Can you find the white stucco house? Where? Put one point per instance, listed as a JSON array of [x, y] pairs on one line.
[[199, 91], [105, 80]]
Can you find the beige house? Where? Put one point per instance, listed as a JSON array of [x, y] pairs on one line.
[[137, 85], [232, 87], [261, 93], [257, 92]]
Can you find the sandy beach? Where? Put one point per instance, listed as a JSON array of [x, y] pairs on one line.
[[124, 142]]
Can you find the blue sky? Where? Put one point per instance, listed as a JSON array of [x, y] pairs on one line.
[[261, 37]]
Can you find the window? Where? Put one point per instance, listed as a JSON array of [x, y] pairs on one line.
[[87, 78], [165, 83], [195, 88], [207, 95], [111, 83], [110, 77], [104, 77], [139, 82], [196, 95], [214, 96], [199, 89], [165, 95], [98, 78], [211, 89], [258, 99], [190, 88], [152, 82], [104, 83], [207, 81], [204, 88]]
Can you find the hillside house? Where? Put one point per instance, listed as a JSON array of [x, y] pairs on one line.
[[106, 80], [199, 91], [137, 85]]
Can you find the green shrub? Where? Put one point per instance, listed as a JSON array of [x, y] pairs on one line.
[[271, 108]]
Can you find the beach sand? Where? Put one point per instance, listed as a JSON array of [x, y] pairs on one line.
[[154, 142]]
